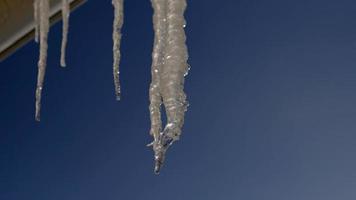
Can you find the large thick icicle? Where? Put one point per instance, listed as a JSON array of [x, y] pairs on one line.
[[171, 76], [43, 18], [116, 35], [65, 18]]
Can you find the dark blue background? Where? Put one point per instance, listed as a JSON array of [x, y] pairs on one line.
[[272, 115]]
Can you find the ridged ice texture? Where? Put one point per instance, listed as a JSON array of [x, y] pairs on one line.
[[43, 18], [160, 29], [172, 66], [65, 18], [116, 35]]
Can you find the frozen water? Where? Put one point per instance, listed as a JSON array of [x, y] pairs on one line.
[[116, 35]]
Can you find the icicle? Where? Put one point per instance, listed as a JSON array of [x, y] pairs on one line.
[[171, 76], [117, 25], [176, 67], [36, 18], [160, 29], [65, 18], [43, 33]]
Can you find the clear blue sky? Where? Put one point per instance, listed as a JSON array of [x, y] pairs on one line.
[[272, 116]]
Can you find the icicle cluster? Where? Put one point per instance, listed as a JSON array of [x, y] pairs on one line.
[[169, 66], [41, 18], [116, 35]]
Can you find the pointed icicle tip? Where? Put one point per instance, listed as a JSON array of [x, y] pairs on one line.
[[37, 118], [158, 166], [118, 96]]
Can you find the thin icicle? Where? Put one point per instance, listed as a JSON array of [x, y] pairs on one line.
[[36, 18], [65, 18], [117, 25], [43, 33], [171, 77]]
